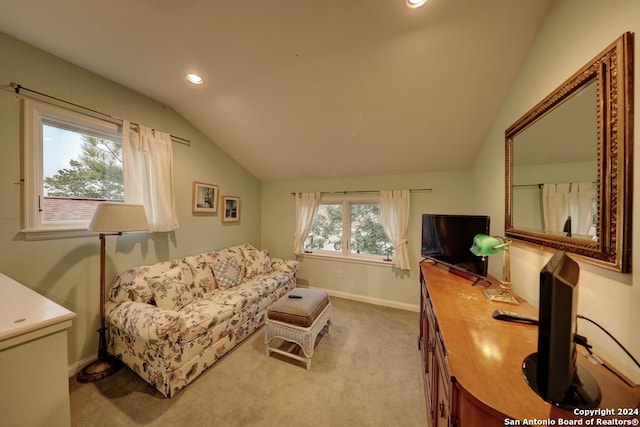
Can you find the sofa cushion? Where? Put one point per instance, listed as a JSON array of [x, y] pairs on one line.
[[285, 265], [201, 316], [241, 297], [227, 273], [236, 301], [202, 273], [271, 281], [256, 262], [133, 284], [174, 288]]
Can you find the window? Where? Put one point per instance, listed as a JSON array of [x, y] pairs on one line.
[[349, 228], [72, 163]]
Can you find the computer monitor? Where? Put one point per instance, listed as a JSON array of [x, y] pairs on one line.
[[553, 372]]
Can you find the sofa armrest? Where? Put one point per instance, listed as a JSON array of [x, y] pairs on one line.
[[146, 321], [285, 265]]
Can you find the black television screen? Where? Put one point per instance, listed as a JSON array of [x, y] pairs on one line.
[[447, 239], [553, 371]]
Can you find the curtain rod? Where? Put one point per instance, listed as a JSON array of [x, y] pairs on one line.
[[18, 87], [527, 186], [536, 185], [412, 190]]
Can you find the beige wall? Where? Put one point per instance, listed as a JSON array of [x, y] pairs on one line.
[[574, 33], [451, 194], [67, 271]]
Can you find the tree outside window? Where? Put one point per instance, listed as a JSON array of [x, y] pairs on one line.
[[95, 172], [367, 235], [88, 170], [349, 228]]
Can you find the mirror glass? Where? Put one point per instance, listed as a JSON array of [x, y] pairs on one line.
[[553, 159], [567, 164]]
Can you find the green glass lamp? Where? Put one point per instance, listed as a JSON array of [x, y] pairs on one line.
[[483, 246]]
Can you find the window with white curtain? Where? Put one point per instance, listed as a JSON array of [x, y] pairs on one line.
[[72, 162], [348, 227]]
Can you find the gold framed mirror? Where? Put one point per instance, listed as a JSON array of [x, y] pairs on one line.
[[569, 164]]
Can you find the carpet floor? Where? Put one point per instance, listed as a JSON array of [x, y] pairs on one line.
[[365, 373]]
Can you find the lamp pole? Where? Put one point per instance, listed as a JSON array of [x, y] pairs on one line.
[[105, 365]]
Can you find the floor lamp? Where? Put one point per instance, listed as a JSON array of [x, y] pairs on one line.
[[110, 219]]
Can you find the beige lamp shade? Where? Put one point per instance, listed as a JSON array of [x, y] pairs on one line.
[[119, 217]]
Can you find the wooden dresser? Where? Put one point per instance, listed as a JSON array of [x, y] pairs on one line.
[[472, 363]]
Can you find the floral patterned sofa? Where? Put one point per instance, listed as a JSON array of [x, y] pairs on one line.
[[172, 320]]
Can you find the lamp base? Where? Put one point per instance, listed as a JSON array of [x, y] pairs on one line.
[[99, 369], [500, 295]]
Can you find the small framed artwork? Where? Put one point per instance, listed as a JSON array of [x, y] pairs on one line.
[[204, 198], [230, 209]]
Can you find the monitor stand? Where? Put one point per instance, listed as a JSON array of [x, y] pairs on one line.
[[458, 272], [462, 273], [481, 280], [584, 393]]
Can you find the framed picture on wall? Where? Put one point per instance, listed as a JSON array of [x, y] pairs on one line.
[[204, 198], [230, 209]]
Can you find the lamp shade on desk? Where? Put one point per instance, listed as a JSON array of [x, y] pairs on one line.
[[484, 245]]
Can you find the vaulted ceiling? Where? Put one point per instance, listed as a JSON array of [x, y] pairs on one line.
[[301, 89]]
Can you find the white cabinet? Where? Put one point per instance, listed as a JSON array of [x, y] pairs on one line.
[[34, 383]]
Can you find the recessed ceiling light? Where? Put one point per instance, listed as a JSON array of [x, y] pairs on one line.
[[415, 3], [195, 79]]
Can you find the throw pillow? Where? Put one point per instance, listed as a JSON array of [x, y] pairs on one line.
[[173, 289], [227, 273], [257, 262], [236, 252], [202, 273]]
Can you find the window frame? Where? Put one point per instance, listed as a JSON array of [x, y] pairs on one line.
[[345, 254], [35, 115]]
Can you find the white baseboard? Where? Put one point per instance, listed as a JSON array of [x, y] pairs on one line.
[[77, 367], [371, 300]]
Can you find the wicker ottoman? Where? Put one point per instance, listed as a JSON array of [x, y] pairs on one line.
[[298, 320]]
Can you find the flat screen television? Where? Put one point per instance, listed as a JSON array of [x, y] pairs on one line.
[[553, 372], [447, 239]]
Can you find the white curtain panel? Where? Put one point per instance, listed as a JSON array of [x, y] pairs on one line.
[[306, 210], [147, 158], [560, 201], [555, 206], [584, 206], [394, 217]]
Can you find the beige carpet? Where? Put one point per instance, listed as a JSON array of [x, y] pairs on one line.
[[366, 373]]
